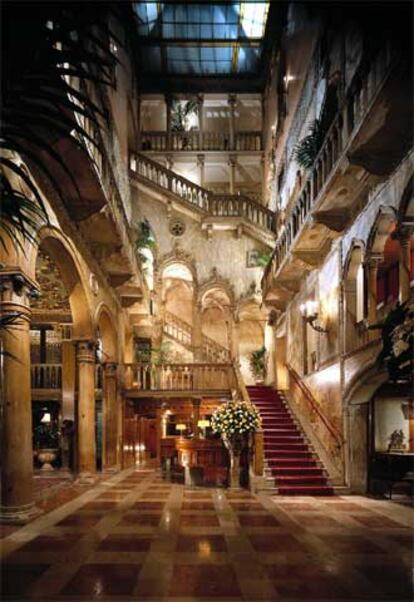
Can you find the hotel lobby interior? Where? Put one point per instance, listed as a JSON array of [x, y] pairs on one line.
[[207, 301]]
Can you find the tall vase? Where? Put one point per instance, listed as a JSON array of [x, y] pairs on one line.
[[234, 448]]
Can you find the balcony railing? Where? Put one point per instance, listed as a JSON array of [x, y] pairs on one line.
[[179, 377], [157, 141], [46, 376], [338, 137], [215, 205]]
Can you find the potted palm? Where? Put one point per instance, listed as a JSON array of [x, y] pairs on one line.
[[46, 442], [257, 362], [235, 422]]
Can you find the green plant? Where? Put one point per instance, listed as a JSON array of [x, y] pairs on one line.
[[180, 113], [308, 148], [263, 258], [257, 362], [46, 436], [46, 46], [144, 240]]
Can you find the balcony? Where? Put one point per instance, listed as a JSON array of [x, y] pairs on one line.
[[179, 380], [337, 185], [195, 141]]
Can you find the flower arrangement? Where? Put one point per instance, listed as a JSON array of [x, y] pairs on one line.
[[235, 418]]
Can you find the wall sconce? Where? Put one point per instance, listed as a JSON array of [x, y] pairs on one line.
[[310, 312]]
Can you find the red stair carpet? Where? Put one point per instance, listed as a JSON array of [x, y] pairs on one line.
[[294, 466]]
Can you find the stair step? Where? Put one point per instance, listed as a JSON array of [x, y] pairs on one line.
[[292, 463], [319, 480], [292, 471], [306, 490]]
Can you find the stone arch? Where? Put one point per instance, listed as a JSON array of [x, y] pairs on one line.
[[406, 205], [62, 252], [179, 257], [384, 224], [354, 258], [105, 324], [216, 283], [355, 293]]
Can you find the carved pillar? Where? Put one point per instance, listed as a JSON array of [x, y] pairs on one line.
[[229, 327], [17, 505], [372, 267], [264, 179], [232, 100], [110, 416], [269, 341], [196, 416], [200, 107], [168, 104], [201, 167], [85, 355], [234, 349], [232, 180], [197, 333], [404, 265]]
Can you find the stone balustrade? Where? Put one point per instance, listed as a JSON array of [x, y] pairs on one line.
[[157, 141], [337, 139], [46, 376]]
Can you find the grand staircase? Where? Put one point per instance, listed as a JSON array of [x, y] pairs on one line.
[[293, 465], [233, 209], [181, 332]]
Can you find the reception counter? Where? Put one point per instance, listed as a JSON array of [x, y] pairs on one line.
[[208, 456]]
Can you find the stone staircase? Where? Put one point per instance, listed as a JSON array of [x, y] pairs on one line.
[[234, 209], [291, 462], [181, 332]]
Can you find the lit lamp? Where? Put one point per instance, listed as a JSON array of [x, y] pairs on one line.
[[181, 428], [310, 312], [203, 424]]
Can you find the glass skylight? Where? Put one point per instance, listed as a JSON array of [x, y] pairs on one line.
[[202, 38]]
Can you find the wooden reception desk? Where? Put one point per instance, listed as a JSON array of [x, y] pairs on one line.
[[209, 455]]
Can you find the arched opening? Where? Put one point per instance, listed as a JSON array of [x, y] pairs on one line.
[[177, 297], [251, 338], [216, 324], [60, 315], [355, 297]]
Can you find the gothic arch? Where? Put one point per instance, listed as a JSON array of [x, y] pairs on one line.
[[180, 257], [383, 226], [105, 323], [216, 283], [354, 258]]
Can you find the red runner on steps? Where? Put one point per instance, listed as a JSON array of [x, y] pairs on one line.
[[294, 466]]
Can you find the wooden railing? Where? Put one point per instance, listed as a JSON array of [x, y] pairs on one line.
[[337, 139], [46, 376], [157, 141], [182, 331], [201, 198], [179, 377], [309, 407]]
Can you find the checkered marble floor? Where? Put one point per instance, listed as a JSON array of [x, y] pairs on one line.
[[135, 536]]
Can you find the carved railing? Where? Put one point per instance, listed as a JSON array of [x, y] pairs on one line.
[[157, 141], [182, 332], [337, 139], [46, 376], [179, 377], [201, 198], [325, 430]]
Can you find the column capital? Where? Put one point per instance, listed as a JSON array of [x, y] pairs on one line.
[[373, 260], [197, 402], [85, 351], [232, 100], [232, 160], [404, 234], [201, 159], [110, 369], [14, 281]]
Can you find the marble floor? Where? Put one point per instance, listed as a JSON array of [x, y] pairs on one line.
[[135, 536]]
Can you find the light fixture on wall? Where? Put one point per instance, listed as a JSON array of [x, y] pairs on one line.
[[310, 312], [180, 427], [203, 424]]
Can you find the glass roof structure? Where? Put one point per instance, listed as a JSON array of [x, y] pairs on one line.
[[201, 39]]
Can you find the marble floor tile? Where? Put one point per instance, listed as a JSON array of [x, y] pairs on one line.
[[204, 580], [100, 580]]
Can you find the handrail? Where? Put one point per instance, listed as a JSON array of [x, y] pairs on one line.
[[315, 407], [215, 205], [171, 320], [158, 141], [348, 119], [203, 376]]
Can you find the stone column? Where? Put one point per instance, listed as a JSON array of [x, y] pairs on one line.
[[372, 267], [200, 107], [17, 505], [201, 167], [404, 265], [110, 386], [264, 180], [232, 180], [234, 349], [168, 104], [269, 341], [85, 355], [232, 100], [197, 333], [196, 416], [170, 162]]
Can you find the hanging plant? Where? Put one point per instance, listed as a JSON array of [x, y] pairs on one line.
[[180, 112], [144, 240], [308, 148], [257, 362]]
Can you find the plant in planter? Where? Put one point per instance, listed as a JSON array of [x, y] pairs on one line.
[[257, 362], [180, 114], [46, 443], [235, 422]]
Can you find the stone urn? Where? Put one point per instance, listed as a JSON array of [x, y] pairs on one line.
[[46, 457]]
